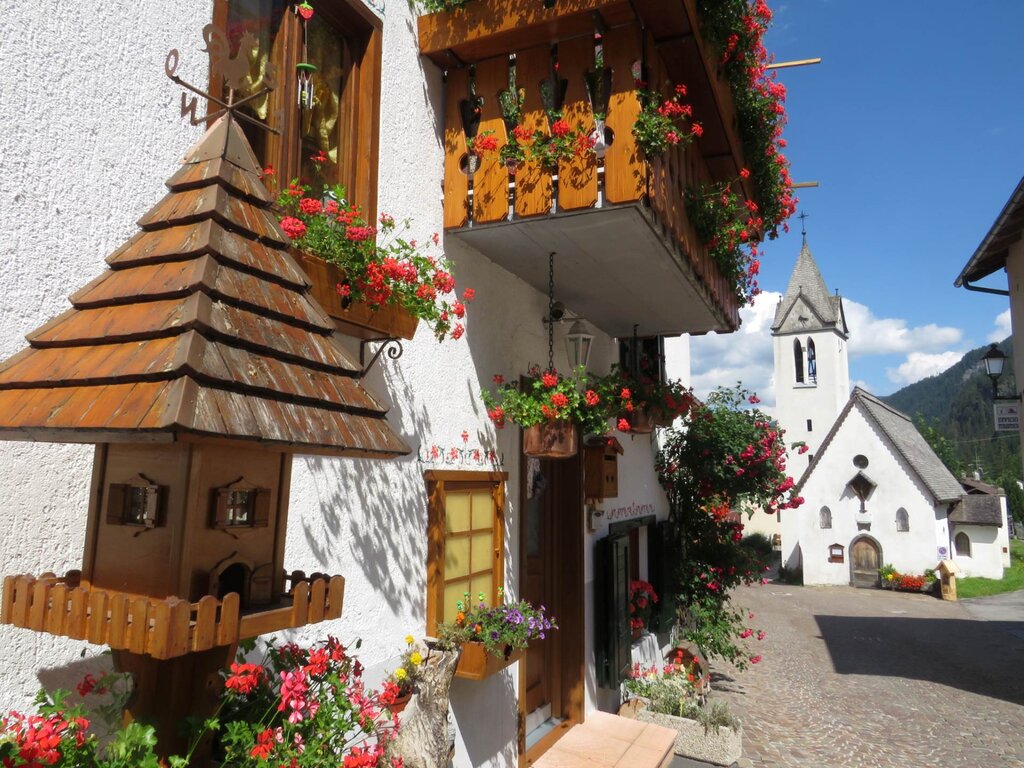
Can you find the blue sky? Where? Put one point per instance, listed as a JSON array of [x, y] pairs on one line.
[[914, 126]]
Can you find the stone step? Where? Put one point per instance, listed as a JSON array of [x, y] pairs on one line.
[[610, 741]]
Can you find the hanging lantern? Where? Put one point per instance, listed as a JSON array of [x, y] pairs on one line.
[[305, 73], [578, 343]]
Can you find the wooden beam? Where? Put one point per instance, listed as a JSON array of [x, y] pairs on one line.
[[795, 63]]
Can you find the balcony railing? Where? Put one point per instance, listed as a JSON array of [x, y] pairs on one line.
[[162, 628], [618, 220]]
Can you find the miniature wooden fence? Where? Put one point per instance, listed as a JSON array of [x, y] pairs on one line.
[[161, 628], [622, 177]]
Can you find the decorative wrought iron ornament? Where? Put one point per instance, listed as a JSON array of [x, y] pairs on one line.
[[232, 69]]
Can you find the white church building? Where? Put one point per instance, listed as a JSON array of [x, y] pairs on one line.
[[875, 492]]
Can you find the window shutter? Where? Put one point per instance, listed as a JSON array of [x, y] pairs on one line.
[[658, 575], [261, 508], [220, 508], [612, 635], [116, 497], [155, 507]]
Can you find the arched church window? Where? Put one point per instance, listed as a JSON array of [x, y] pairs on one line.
[[798, 360], [962, 544], [812, 363], [825, 518], [902, 520]]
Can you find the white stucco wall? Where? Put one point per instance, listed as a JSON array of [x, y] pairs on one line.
[[986, 559], [910, 552], [91, 133]]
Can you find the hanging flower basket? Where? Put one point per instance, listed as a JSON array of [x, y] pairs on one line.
[[475, 663], [641, 421], [550, 440], [354, 318]]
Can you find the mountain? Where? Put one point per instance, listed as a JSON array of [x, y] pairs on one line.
[[957, 405]]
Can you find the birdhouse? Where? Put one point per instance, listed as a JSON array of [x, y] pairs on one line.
[[198, 365], [947, 570], [601, 467]]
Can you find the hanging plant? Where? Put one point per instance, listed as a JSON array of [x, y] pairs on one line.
[[548, 397], [562, 144], [662, 123], [642, 398]]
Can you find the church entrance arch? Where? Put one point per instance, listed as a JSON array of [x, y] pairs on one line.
[[865, 560]]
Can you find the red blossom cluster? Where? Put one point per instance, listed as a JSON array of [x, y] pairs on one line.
[[41, 740]]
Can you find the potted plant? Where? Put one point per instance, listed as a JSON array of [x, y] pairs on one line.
[[492, 638], [644, 401], [549, 407], [642, 599], [404, 676], [372, 265]]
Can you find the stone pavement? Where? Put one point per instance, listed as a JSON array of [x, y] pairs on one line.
[[867, 678]]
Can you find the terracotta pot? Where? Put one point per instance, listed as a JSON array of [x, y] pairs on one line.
[[662, 418], [476, 663], [400, 703], [550, 440], [641, 421], [352, 318]]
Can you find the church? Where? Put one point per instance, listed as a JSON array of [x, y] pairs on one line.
[[875, 492]]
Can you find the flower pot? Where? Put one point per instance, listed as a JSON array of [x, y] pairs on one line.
[[354, 318], [550, 440], [662, 418], [476, 663], [400, 703], [638, 632], [512, 166], [641, 421]]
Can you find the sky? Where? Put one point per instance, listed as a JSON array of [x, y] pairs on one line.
[[914, 126]]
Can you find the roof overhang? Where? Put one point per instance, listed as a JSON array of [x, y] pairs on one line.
[[994, 249]]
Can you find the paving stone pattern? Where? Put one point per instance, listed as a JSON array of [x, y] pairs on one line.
[[866, 678]]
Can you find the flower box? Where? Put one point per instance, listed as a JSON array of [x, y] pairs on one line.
[[550, 440], [476, 663], [357, 319], [720, 746]]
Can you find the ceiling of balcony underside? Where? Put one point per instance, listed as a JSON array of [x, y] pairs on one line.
[[612, 266]]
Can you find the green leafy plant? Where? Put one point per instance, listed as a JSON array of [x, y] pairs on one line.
[[501, 628], [562, 143], [628, 392], [380, 272], [548, 396], [662, 121], [668, 690], [438, 6]]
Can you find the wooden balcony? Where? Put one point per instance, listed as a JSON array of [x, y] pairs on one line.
[[161, 628], [626, 250]]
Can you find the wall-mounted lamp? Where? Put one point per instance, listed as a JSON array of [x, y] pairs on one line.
[[994, 361], [578, 343]]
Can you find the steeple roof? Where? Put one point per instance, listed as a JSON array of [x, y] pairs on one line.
[[202, 326], [808, 294]]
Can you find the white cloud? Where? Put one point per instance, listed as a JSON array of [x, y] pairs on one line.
[[920, 365], [1002, 329], [745, 356], [870, 335]]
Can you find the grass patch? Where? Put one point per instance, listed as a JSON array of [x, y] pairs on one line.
[[1013, 577]]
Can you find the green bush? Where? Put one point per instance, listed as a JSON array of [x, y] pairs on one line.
[[759, 543]]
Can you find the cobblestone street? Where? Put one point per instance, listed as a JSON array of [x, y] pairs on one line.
[[867, 678]]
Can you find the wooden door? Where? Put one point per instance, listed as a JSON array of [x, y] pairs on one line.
[[865, 560], [537, 580]]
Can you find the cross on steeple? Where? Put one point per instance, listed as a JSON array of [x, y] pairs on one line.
[[803, 225]]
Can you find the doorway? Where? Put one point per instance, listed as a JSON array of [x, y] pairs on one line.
[[551, 562], [865, 560]]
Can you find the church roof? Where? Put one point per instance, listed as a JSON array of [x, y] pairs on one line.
[[202, 326], [807, 288], [905, 439]]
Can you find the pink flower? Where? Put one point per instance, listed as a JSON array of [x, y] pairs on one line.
[[756, 659], [294, 228]]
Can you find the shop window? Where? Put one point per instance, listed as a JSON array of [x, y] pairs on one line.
[[343, 42], [962, 544], [902, 520], [139, 502], [825, 518], [466, 540]]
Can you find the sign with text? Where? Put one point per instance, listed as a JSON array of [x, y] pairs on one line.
[[1007, 416]]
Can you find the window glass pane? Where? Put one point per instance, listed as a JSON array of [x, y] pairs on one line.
[[457, 512], [483, 584], [483, 551], [456, 558], [483, 510], [326, 51], [453, 593]]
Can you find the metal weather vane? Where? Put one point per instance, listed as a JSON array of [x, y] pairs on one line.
[[234, 71]]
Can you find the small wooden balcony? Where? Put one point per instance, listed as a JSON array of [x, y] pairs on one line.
[[162, 628], [627, 252]]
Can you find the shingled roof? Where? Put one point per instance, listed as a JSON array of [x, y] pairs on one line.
[[905, 439], [807, 287], [203, 325], [978, 510]]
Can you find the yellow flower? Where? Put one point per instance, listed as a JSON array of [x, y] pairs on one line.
[[401, 674], [416, 658], [409, 639]]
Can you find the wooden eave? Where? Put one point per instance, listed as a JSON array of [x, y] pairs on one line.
[[202, 328], [994, 250]]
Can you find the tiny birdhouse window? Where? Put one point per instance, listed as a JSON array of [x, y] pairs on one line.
[[137, 502], [241, 505]]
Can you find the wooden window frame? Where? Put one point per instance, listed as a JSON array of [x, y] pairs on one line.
[[119, 503], [438, 482], [259, 513], [359, 130]]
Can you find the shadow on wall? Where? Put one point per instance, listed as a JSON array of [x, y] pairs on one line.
[[487, 713], [960, 653]]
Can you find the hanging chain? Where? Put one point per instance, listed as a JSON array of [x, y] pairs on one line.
[[551, 310]]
